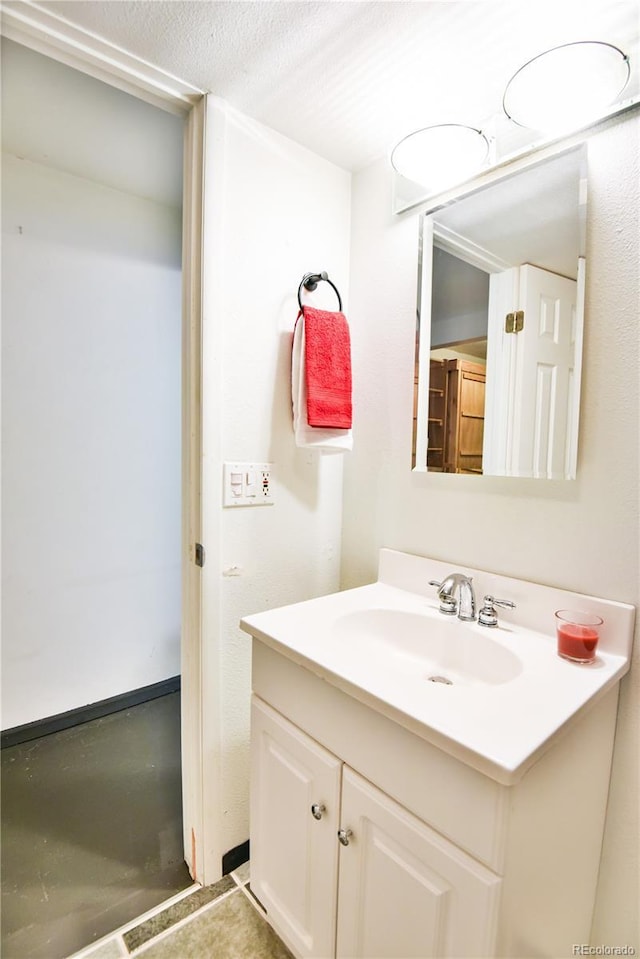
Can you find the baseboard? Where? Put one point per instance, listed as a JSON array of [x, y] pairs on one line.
[[84, 714], [235, 857]]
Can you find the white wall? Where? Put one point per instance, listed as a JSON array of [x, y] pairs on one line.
[[281, 212], [91, 305], [582, 535]]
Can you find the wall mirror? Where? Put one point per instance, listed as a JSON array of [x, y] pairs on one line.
[[499, 325]]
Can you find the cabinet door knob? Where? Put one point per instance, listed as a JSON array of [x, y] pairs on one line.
[[317, 809], [343, 836]]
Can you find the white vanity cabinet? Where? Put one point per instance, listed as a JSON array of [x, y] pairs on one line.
[[344, 870], [476, 806], [442, 860]]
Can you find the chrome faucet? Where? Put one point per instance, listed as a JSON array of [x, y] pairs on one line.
[[464, 603]]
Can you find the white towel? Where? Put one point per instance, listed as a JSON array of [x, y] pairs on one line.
[[326, 440]]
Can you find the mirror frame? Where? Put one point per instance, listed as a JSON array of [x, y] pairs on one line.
[[431, 231]]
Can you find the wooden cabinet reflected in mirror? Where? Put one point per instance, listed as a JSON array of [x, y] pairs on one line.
[[456, 416]]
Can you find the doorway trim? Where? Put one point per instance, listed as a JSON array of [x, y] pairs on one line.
[[57, 38]]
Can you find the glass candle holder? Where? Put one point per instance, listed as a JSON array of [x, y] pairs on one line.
[[578, 635]]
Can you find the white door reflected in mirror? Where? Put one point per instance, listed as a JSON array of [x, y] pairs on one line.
[[500, 322]]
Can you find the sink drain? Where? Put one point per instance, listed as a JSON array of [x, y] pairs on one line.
[[440, 679]]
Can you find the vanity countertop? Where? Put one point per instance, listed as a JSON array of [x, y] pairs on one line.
[[500, 726]]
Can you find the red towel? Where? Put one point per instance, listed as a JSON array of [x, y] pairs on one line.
[[328, 368]]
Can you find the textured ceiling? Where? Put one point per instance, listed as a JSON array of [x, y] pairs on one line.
[[348, 79]]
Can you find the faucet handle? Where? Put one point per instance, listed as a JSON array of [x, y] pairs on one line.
[[488, 615], [448, 602]]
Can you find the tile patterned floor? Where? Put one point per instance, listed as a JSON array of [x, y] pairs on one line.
[[222, 921]]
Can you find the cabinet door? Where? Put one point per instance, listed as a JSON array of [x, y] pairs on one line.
[[465, 416], [294, 855], [405, 891], [471, 419]]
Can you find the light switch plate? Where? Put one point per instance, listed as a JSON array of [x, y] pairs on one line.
[[247, 484]]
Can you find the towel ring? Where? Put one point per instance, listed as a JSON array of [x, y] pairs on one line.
[[310, 282]]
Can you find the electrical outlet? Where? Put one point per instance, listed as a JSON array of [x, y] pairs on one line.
[[247, 484]]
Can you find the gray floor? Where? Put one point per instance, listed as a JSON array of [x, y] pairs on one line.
[[91, 829], [222, 921]]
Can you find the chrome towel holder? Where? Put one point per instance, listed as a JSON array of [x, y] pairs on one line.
[[310, 282]]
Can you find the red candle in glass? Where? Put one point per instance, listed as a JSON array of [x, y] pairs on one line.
[[578, 635]]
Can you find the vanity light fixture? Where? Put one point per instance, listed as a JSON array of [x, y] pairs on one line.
[[441, 156], [567, 86]]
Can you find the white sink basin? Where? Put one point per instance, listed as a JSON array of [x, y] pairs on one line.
[[510, 693], [439, 649]]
